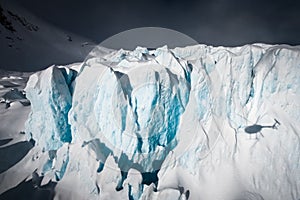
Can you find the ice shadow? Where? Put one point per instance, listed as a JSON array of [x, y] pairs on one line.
[[15, 95], [5, 141], [124, 163], [29, 190], [8, 84], [10, 155]]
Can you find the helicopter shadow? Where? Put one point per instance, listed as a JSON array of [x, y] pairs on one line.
[[257, 128]]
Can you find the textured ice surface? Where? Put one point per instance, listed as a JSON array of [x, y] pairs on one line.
[[50, 97], [134, 109], [170, 124]]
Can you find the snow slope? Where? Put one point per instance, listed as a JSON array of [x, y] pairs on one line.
[[198, 122], [29, 44]]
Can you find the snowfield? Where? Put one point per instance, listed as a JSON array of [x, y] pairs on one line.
[[197, 122]]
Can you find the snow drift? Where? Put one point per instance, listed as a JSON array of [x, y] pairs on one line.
[[171, 123]]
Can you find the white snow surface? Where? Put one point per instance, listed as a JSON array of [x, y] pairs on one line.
[[212, 122]]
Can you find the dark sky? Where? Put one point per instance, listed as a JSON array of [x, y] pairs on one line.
[[219, 22]]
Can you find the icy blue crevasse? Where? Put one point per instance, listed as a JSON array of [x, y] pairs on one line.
[[132, 124], [203, 99], [62, 161], [137, 117], [49, 163], [50, 97]]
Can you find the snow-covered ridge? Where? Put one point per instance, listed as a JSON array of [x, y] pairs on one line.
[[142, 124], [34, 42]]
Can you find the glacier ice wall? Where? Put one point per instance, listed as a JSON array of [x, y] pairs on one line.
[[142, 124], [135, 110], [49, 93]]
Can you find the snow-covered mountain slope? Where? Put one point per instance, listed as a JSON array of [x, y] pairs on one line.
[[198, 122], [30, 44]]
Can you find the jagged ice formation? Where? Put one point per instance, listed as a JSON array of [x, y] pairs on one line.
[[142, 124]]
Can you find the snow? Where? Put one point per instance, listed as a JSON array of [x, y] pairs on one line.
[[122, 118], [11, 98]]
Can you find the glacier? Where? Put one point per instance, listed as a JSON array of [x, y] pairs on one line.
[[49, 92], [170, 123]]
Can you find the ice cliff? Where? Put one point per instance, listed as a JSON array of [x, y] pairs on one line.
[[50, 93], [171, 123]]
